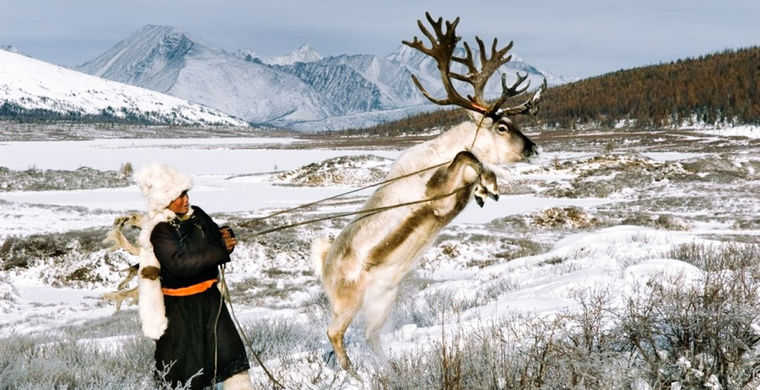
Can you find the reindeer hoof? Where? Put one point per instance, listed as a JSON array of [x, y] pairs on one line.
[[329, 359], [479, 201], [494, 197]]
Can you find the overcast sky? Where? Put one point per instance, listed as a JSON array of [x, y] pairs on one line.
[[569, 38]]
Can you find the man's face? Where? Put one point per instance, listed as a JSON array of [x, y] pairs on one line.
[[181, 205]]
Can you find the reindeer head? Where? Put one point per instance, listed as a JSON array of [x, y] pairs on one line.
[[496, 115]]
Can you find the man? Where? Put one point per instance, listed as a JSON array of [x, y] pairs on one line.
[[180, 307]]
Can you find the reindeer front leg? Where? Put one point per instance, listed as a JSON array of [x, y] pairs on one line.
[[486, 187], [464, 171]]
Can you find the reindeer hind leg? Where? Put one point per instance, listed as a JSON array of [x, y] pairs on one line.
[[343, 312], [379, 302]]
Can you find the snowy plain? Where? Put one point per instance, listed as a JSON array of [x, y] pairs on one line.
[[233, 177]]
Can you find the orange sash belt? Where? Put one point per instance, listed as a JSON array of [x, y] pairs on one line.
[[189, 290]]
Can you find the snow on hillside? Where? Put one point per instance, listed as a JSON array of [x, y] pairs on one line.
[[11, 48], [32, 84]]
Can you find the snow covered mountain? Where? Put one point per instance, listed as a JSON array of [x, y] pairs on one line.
[[170, 61], [27, 84], [300, 90]]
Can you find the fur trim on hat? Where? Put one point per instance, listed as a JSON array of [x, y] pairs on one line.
[[161, 184]]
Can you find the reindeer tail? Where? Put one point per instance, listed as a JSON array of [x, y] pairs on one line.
[[319, 248]]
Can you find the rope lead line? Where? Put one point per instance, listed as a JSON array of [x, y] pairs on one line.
[[225, 294], [386, 181], [225, 291], [368, 212], [350, 192]]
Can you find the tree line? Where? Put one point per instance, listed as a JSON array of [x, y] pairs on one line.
[[13, 112], [717, 88], [721, 88]]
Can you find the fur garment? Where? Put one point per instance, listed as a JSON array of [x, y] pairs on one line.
[[160, 185]]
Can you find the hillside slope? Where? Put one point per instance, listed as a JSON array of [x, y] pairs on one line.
[[31, 88], [716, 89]]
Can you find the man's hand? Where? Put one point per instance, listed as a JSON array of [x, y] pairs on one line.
[[229, 238]]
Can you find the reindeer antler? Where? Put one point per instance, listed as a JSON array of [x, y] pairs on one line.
[[442, 49], [116, 237]]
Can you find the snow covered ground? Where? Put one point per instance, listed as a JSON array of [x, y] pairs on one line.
[[594, 211]]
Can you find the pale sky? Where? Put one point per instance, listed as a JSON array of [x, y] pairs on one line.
[[568, 38]]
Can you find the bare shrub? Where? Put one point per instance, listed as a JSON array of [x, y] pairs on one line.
[[671, 222], [280, 337], [516, 248], [567, 217], [602, 175], [45, 180], [127, 170], [342, 170], [731, 256], [522, 352], [20, 252], [45, 362], [554, 260], [701, 334], [609, 147], [410, 309]]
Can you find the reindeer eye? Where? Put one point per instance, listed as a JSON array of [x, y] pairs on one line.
[[504, 126]]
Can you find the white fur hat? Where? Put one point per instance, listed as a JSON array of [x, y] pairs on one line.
[[161, 184]]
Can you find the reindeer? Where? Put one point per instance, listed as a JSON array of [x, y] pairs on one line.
[[362, 267]]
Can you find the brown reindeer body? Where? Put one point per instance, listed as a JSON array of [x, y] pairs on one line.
[[361, 269]]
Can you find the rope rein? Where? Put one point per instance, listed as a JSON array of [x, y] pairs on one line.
[[216, 327], [477, 130], [350, 192], [225, 292], [256, 355], [364, 213], [368, 212], [378, 184]]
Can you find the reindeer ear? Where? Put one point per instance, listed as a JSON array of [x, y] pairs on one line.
[[477, 117]]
